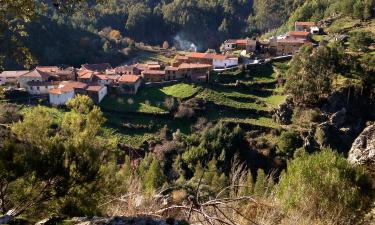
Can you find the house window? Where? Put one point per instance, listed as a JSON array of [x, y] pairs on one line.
[[37, 88]]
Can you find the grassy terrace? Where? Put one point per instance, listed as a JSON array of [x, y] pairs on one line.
[[149, 100], [181, 91], [137, 118]]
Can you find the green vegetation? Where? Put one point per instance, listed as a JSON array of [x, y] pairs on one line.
[[182, 91], [325, 187]]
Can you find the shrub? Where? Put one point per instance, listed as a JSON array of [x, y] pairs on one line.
[[324, 186], [289, 141]]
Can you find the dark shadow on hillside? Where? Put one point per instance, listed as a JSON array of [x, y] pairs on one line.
[[55, 43]]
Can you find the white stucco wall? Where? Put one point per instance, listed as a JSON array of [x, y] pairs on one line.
[[102, 93], [24, 80], [229, 62], [62, 99], [33, 90]]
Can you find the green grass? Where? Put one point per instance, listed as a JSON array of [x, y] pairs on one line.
[[143, 56], [181, 90], [149, 100], [223, 98], [261, 121], [342, 24]]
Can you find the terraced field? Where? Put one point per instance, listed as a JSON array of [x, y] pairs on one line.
[[245, 98]]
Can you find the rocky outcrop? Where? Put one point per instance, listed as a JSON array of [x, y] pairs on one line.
[[284, 113], [363, 149]]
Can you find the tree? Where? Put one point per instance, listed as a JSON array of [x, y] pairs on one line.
[[289, 141], [324, 185], [310, 75], [61, 155], [154, 177], [360, 41]]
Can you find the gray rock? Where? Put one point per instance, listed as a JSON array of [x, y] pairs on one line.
[[363, 149], [284, 113], [5, 219], [339, 118]]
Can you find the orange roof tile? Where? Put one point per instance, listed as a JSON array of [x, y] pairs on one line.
[[48, 69], [194, 66], [154, 72], [129, 79], [94, 88], [299, 33], [241, 41], [7, 74]]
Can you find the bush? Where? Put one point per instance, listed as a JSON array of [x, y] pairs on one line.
[[324, 186], [289, 141]]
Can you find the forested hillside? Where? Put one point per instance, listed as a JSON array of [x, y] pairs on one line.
[[205, 23], [289, 140]]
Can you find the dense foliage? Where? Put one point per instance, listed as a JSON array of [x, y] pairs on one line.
[[86, 27], [323, 186]]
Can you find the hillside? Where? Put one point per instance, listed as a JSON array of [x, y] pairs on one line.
[[280, 140]]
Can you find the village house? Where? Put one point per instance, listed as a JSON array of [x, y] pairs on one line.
[[153, 75], [289, 46], [128, 70], [11, 77], [193, 71], [240, 44], [216, 60], [106, 80], [33, 76], [85, 76], [129, 84], [41, 87], [96, 92], [179, 59], [67, 90], [310, 27], [298, 35], [101, 67]]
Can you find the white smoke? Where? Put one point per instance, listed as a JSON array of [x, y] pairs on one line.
[[183, 44]]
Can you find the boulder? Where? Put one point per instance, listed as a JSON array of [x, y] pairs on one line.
[[363, 149], [5, 219], [284, 113], [339, 118]]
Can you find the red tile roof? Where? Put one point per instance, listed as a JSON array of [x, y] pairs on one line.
[[194, 66], [241, 41], [48, 69], [299, 33], [85, 74], [129, 79], [7, 74], [68, 86], [207, 56], [154, 72], [37, 74], [94, 88]]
